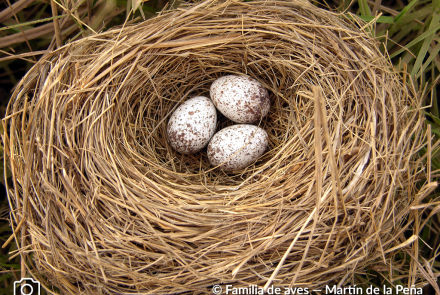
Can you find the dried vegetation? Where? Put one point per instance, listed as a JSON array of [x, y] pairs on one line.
[[110, 208]]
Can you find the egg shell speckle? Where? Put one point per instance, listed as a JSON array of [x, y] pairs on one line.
[[240, 98], [229, 140], [192, 125]]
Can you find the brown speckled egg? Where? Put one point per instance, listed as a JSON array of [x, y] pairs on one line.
[[192, 125], [240, 98], [252, 141]]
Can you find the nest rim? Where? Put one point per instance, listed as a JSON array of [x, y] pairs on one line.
[[94, 183]]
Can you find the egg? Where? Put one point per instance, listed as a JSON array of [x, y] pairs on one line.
[[237, 146], [240, 98], [192, 125]]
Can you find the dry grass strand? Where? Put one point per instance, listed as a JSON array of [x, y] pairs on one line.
[[111, 209]]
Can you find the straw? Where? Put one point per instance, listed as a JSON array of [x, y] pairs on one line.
[[111, 208]]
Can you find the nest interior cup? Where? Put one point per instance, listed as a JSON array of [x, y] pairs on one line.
[[110, 208]]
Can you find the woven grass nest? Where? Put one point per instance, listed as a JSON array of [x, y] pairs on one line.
[[105, 206]]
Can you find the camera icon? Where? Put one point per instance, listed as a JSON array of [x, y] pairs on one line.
[[27, 286]]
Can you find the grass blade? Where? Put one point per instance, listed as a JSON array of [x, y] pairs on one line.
[[435, 118], [364, 8], [417, 16], [423, 51], [406, 10], [381, 19], [31, 23], [433, 54], [417, 40]]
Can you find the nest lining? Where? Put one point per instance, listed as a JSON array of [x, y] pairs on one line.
[[110, 208]]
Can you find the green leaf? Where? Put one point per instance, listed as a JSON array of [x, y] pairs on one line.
[[31, 23], [435, 130], [419, 14], [404, 31], [409, 18], [10, 265], [5, 277], [405, 10], [417, 40], [435, 163], [364, 8], [426, 43], [436, 120], [433, 54], [381, 19]]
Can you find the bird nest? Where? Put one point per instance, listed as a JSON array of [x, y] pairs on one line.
[[105, 206]]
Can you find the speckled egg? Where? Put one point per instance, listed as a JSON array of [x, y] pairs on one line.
[[247, 142], [192, 125], [240, 98]]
